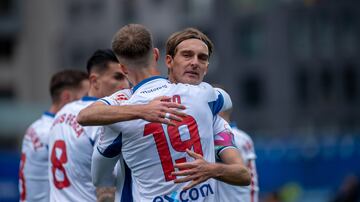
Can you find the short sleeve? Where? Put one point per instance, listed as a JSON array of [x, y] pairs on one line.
[[214, 98], [223, 136], [227, 99], [110, 141], [117, 98]]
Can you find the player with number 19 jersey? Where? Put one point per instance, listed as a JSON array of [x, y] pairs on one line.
[[33, 175], [151, 149], [70, 176]]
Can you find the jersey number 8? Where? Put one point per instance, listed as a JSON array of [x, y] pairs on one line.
[[57, 164]]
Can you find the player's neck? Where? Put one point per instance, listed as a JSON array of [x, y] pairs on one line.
[[94, 93], [54, 108], [138, 76]]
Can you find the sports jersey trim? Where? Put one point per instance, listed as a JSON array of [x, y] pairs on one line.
[[223, 148], [89, 98], [104, 101], [92, 142], [126, 195], [233, 125], [47, 113], [145, 81], [113, 149], [217, 105]]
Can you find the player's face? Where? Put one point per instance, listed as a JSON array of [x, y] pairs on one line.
[[112, 80], [190, 63]]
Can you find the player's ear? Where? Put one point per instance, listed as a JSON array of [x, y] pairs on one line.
[[124, 69], [168, 61], [207, 68], [93, 79], [156, 54], [65, 96]]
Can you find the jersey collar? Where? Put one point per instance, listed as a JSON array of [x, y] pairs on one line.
[[89, 98], [47, 113], [145, 81]]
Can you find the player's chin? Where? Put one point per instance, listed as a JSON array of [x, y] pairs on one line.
[[192, 79]]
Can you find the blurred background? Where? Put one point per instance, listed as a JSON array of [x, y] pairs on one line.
[[290, 66]]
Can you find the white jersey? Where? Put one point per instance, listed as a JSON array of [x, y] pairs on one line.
[[248, 193], [123, 172], [151, 149], [124, 182], [70, 150], [33, 175]]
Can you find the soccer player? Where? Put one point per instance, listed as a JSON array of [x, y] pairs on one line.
[[246, 148], [71, 145], [152, 145], [180, 70], [185, 66], [65, 86]]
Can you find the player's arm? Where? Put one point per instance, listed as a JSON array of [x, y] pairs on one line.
[[158, 110], [102, 169], [103, 177], [105, 194], [232, 169], [228, 153]]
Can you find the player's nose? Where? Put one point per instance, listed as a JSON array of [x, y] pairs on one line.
[[194, 63]]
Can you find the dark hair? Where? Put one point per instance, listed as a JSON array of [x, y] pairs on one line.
[[133, 43], [189, 33], [98, 61], [67, 79]]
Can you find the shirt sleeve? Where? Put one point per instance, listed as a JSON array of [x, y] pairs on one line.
[[117, 98], [223, 136], [227, 100], [110, 141], [102, 170], [106, 154]]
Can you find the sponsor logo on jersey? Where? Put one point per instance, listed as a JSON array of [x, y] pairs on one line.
[[193, 194], [120, 97], [154, 89]]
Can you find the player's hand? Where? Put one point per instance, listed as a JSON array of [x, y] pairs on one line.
[[196, 171], [162, 111], [105, 194]]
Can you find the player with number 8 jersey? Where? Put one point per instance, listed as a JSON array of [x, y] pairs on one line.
[[70, 155], [151, 149], [71, 145], [65, 86]]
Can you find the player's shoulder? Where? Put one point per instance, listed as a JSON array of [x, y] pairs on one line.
[[122, 94], [40, 126], [203, 89], [225, 96], [37, 122], [151, 85], [67, 107], [77, 105], [46, 119], [36, 126], [201, 86], [117, 98]]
